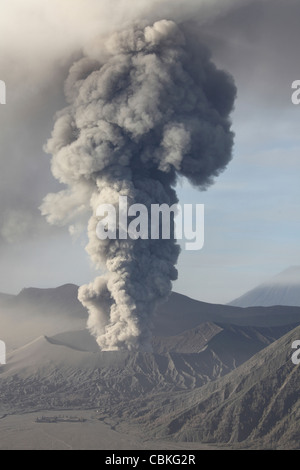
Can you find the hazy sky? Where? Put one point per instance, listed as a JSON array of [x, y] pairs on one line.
[[251, 213]]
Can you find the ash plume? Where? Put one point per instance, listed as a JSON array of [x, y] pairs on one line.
[[145, 106]]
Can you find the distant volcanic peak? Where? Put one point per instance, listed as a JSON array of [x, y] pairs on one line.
[[289, 276], [282, 289]]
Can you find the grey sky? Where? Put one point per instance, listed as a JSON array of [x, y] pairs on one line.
[[252, 221]]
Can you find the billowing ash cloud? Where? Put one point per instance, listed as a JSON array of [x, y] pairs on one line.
[[145, 106]]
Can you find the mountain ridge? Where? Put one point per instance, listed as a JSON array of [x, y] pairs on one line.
[[282, 289], [257, 404]]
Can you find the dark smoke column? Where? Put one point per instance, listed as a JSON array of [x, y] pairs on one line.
[[147, 107]]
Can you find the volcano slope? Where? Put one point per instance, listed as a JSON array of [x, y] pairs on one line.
[[184, 390], [256, 406], [68, 370]]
